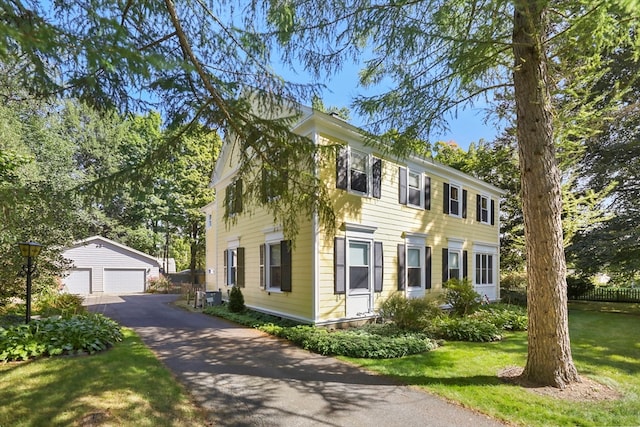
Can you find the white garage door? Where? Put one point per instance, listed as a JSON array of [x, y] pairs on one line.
[[120, 281], [78, 281]]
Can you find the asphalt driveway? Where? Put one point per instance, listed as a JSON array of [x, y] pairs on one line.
[[246, 378]]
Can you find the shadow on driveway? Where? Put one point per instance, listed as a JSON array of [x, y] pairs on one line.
[[244, 377]]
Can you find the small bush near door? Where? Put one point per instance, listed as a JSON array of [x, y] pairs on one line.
[[236, 300]]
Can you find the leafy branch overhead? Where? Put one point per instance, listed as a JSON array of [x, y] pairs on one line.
[[188, 60]]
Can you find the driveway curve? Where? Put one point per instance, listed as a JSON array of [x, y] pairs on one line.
[[244, 377]]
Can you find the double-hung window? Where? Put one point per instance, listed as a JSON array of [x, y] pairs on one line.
[[414, 188], [233, 271], [414, 267], [275, 266], [485, 209], [454, 265], [454, 261], [455, 200], [358, 172], [359, 271]]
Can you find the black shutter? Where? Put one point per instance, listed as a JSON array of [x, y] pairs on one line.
[[427, 267], [446, 198], [237, 197], [263, 281], [224, 262], [445, 265], [240, 268], [401, 267], [377, 178], [378, 266], [342, 168], [227, 199], [464, 203], [402, 186], [339, 267], [465, 270], [285, 265], [427, 193], [264, 186], [493, 212], [478, 207]]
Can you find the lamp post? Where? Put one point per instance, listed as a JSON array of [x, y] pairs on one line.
[[29, 250]]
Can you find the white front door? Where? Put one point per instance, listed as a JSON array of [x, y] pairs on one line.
[[359, 301]]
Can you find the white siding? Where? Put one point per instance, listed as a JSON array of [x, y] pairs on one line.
[[78, 281], [120, 281], [99, 254]]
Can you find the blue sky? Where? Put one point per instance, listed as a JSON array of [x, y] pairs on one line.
[[469, 126]]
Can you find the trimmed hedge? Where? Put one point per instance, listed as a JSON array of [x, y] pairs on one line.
[[87, 333]]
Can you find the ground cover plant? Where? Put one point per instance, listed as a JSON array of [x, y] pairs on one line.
[[85, 333], [124, 386], [374, 341], [605, 347]]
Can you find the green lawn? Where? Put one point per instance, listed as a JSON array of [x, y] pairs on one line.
[[125, 385], [606, 347]]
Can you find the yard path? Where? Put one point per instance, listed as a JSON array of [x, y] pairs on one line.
[[244, 377]]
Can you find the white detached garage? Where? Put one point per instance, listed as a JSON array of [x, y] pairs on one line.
[[101, 265]]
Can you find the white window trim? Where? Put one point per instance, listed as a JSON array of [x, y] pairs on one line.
[[420, 188], [274, 235], [455, 246], [486, 249], [488, 198], [369, 242], [459, 187], [368, 172]]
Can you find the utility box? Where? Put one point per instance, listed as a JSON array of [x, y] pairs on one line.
[[214, 298]]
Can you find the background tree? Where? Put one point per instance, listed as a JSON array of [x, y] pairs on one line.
[[187, 60]]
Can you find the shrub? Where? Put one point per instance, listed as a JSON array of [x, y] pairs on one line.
[[412, 314], [578, 286], [514, 297], [159, 284], [466, 329], [62, 304], [503, 316], [513, 280], [236, 300], [86, 333], [461, 296]]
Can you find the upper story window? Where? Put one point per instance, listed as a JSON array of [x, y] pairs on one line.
[[414, 188], [485, 209], [455, 200], [358, 172], [209, 220], [233, 197]]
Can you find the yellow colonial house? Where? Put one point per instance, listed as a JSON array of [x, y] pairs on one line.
[[404, 225]]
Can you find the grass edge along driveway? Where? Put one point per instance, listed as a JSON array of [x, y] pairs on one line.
[[605, 346], [125, 385]]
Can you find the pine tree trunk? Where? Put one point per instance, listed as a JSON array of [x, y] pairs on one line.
[[549, 360]]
